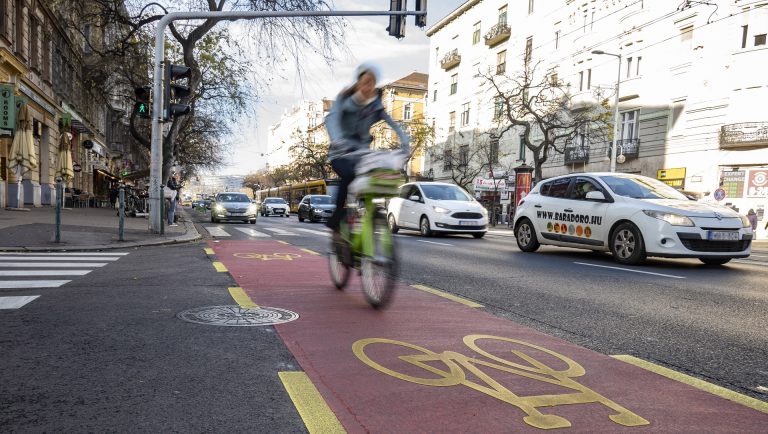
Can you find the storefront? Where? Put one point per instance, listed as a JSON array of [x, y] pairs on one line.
[[745, 188]]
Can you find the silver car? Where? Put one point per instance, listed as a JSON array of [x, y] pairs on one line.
[[233, 206]]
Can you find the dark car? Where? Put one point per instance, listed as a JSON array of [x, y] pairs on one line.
[[316, 207]]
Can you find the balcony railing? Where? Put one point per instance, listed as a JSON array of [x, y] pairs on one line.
[[629, 148], [451, 59], [576, 154], [744, 135], [497, 34]]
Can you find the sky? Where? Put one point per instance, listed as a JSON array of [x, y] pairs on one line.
[[367, 39]]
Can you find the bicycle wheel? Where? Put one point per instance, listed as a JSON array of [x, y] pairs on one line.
[[379, 269], [339, 269]]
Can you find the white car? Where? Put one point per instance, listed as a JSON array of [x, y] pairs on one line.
[[631, 216], [431, 207], [275, 206]]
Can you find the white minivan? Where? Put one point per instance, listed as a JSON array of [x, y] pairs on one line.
[[436, 207]]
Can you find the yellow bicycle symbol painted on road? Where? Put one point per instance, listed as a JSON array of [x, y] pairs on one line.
[[455, 374], [268, 256]]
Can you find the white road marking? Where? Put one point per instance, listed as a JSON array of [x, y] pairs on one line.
[[316, 232], [435, 242], [24, 284], [757, 256], [16, 302], [51, 264], [502, 233], [44, 272], [253, 232], [279, 231], [48, 258], [631, 270], [65, 254], [217, 231]]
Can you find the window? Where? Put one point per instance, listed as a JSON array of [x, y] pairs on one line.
[[686, 37], [437, 55], [465, 114], [589, 78], [407, 112], [521, 148], [454, 83], [447, 159], [553, 81], [34, 43], [503, 15], [592, 21], [581, 187], [557, 39], [528, 48], [463, 155], [498, 107], [501, 62], [744, 30], [760, 39], [47, 56], [3, 18], [19, 41], [87, 38], [476, 33], [556, 188], [451, 121], [629, 125], [629, 67], [637, 70], [530, 7], [434, 92], [494, 150], [581, 81]]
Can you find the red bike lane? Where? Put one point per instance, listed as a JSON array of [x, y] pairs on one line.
[[429, 364]]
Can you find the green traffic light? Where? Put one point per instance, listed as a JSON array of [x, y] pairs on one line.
[[143, 109]]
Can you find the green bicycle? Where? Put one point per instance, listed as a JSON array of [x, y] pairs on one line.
[[367, 244]]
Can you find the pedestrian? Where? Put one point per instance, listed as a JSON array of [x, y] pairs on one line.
[[171, 193], [113, 193], [349, 121], [752, 217]]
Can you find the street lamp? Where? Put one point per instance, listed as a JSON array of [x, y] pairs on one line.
[[615, 110]]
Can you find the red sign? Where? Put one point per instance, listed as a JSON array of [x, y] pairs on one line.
[[522, 185], [757, 183]]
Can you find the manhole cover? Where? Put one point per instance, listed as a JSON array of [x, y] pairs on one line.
[[236, 316]]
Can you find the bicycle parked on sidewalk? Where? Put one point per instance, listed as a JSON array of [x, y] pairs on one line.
[[366, 243]]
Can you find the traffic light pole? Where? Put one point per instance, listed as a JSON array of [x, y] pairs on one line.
[[156, 157]]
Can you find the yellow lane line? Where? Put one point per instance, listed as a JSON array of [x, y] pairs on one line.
[[219, 267], [695, 382], [283, 242], [311, 252], [242, 298], [209, 251], [447, 295], [313, 409]]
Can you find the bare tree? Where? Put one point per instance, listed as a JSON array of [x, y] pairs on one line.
[[541, 109], [462, 161], [309, 158]]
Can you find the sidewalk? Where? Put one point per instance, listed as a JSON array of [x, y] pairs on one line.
[[84, 229]]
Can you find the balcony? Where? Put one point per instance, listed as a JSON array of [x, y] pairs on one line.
[[744, 135], [629, 148], [497, 34], [576, 154], [451, 59]]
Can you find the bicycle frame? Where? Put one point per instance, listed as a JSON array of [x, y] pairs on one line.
[[361, 240]]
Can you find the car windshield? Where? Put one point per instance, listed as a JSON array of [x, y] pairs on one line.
[[322, 200], [445, 192], [274, 201], [641, 188], [232, 198]]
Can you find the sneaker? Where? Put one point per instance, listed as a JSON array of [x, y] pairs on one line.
[[173, 224]]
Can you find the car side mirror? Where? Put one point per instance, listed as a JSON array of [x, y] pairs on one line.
[[597, 196], [415, 198]]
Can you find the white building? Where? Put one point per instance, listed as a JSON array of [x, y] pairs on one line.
[[300, 119], [690, 91]]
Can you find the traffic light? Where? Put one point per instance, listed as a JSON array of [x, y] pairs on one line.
[[397, 22], [174, 92], [421, 20], [142, 106]]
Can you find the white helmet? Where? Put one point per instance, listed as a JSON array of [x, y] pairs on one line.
[[368, 67]]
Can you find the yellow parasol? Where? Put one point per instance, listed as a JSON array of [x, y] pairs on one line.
[[22, 157], [64, 160]]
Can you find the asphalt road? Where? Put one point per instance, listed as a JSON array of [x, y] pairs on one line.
[[705, 321]]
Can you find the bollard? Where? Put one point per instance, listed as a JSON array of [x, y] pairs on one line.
[[59, 198], [121, 213]]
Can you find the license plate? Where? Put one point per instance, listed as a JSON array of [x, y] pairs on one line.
[[279, 211], [723, 236], [236, 213], [467, 223]]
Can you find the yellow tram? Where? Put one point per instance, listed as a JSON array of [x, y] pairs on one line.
[[293, 193]]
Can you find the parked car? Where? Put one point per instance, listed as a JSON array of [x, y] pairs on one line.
[[232, 206], [436, 207], [316, 207], [275, 206], [631, 216]]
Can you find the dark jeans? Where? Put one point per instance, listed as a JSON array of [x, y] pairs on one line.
[[345, 168]]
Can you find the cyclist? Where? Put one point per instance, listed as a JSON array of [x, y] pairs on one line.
[[356, 109]]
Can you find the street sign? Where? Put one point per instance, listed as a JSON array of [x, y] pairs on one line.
[[719, 194], [7, 107]]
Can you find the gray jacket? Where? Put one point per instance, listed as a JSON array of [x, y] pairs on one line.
[[349, 124]]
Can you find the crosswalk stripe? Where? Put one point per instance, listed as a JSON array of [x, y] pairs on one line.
[[279, 231], [316, 232], [48, 258], [65, 254], [44, 272], [51, 265], [16, 302], [253, 232], [217, 231], [25, 284]]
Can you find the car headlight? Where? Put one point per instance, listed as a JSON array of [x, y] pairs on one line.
[[441, 210], [673, 219], [745, 223], [218, 208], [484, 211], [316, 210], [252, 209]]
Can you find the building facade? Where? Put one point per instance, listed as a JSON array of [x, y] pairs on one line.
[[297, 122], [689, 94]]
